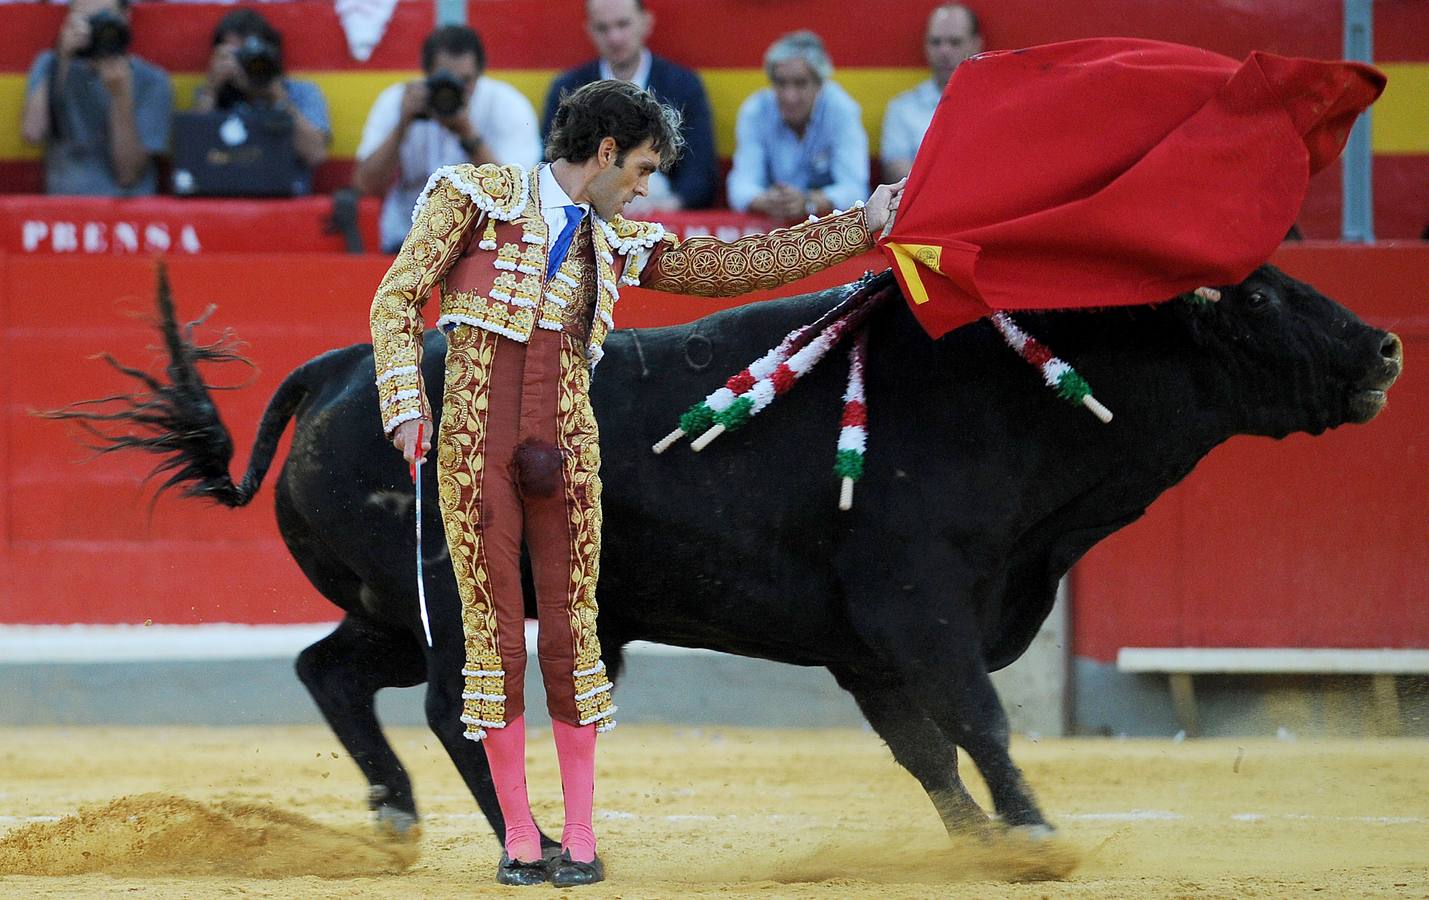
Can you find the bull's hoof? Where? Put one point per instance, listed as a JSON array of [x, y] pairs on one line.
[[566, 872], [514, 871], [1036, 853], [397, 824]]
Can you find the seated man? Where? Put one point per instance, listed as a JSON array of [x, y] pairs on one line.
[[101, 114], [246, 69], [800, 148], [953, 35], [454, 115], [619, 29]]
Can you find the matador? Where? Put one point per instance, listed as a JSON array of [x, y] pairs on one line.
[[529, 266]]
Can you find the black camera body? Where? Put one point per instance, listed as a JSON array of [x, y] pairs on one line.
[[260, 62], [108, 36], [446, 94]]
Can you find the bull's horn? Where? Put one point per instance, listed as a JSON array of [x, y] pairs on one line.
[[846, 495], [1208, 294]]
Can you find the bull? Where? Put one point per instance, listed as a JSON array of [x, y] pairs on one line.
[[980, 491]]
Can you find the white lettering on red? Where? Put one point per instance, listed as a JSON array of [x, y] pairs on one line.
[[188, 240], [64, 237], [126, 237], [94, 237], [32, 234], [156, 236]]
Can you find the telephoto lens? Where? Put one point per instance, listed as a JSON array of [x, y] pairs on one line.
[[108, 35], [445, 94], [259, 61]]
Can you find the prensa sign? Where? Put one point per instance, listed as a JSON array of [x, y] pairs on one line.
[[119, 237]]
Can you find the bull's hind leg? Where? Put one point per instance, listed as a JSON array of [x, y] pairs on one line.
[[343, 673], [918, 745]]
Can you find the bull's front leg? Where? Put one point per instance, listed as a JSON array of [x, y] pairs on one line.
[[929, 638], [917, 744]]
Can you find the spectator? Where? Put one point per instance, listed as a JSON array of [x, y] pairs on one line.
[[455, 115], [619, 29], [101, 113], [800, 148], [246, 69], [952, 36]]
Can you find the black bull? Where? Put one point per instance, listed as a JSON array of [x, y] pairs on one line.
[[981, 489]]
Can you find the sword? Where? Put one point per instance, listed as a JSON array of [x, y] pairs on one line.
[[421, 585]]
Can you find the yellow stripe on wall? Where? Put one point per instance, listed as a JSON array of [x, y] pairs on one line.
[[1401, 117]]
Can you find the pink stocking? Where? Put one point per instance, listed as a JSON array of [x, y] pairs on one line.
[[506, 754], [575, 748]]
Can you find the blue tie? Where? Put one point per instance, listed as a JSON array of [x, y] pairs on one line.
[[563, 241]]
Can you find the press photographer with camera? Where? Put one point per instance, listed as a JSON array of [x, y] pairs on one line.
[[453, 114], [246, 69], [101, 113]]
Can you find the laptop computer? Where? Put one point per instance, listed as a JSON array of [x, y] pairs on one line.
[[239, 152]]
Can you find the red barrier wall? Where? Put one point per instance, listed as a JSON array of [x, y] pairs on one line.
[[1305, 542], [78, 541]]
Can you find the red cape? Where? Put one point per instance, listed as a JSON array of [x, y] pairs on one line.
[[1112, 171]]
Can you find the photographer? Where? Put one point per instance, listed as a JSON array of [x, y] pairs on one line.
[[455, 114], [246, 69], [101, 114]]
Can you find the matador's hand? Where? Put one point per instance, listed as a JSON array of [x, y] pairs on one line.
[[881, 207], [405, 439]]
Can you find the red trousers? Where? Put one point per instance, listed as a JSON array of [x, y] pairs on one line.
[[518, 461]]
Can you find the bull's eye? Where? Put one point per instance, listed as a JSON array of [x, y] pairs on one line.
[[1257, 300]]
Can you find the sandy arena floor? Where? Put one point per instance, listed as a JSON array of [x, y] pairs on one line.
[[190, 812]]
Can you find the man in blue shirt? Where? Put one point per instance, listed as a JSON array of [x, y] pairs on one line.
[[800, 148], [952, 35], [229, 86], [619, 29], [101, 114]]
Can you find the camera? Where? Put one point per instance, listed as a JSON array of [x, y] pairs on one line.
[[259, 61], [108, 36], [446, 94]]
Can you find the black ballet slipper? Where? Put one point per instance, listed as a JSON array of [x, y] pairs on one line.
[[566, 872], [514, 871]]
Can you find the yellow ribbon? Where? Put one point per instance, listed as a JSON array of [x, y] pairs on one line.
[[906, 255]]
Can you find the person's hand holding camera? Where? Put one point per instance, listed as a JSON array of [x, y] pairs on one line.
[[224, 70], [74, 36], [414, 102]]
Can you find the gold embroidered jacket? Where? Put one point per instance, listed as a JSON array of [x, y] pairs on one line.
[[510, 295]]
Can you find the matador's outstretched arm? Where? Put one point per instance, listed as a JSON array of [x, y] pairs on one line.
[[709, 267]]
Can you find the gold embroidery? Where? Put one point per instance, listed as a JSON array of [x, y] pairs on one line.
[[579, 441], [436, 239], [461, 449], [709, 267], [470, 308]]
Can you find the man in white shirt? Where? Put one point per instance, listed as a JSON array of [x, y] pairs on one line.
[[953, 35], [454, 115]]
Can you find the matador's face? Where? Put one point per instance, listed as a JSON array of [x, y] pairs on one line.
[[617, 183]]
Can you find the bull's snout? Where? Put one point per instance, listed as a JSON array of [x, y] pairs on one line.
[[1367, 403]]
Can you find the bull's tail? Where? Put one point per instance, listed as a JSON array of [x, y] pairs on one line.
[[177, 420]]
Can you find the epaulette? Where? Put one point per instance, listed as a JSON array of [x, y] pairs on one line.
[[499, 191], [626, 236]]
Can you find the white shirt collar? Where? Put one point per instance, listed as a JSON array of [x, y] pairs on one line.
[[640, 79], [553, 196]]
